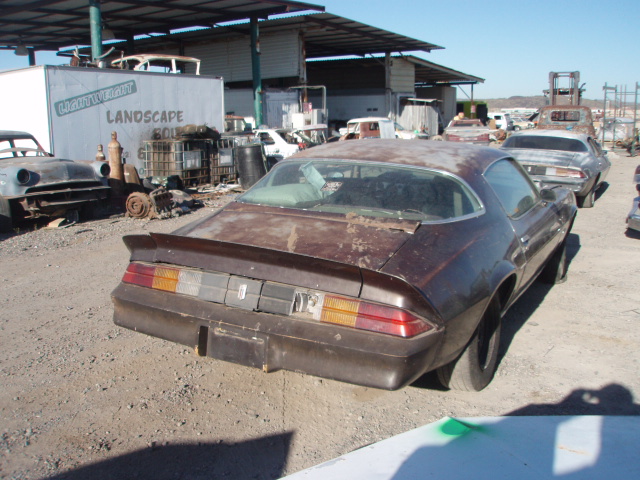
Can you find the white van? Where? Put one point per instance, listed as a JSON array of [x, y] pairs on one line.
[[503, 120]]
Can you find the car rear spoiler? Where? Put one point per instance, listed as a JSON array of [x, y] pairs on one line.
[[278, 266]]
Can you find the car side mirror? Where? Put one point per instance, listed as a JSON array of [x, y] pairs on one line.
[[548, 195]]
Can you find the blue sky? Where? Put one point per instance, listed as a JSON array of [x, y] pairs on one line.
[[512, 44]]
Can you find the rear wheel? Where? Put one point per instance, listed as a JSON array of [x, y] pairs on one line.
[[555, 271], [589, 199], [473, 370], [6, 221]]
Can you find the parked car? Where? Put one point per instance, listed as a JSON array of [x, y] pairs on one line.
[[521, 123], [34, 183], [366, 262], [466, 131], [556, 157], [633, 219], [278, 141], [405, 134], [368, 127], [575, 118], [503, 120]]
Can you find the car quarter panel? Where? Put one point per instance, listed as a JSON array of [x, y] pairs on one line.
[[459, 266]]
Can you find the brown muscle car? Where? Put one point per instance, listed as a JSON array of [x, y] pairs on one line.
[[366, 262]]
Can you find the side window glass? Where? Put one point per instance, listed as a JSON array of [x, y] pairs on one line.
[[512, 186]]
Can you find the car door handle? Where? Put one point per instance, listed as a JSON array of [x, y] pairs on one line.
[[525, 240]]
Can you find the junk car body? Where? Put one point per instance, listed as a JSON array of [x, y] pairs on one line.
[[575, 118], [365, 262], [467, 131], [633, 218], [33, 183], [146, 62], [278, 141], [368, 127], [556, 157], [520, 123]]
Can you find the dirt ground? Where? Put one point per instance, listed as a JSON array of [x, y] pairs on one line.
[[82, 398]]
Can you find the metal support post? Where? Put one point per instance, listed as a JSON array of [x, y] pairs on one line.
[[604, 109], [95, 21], [634, 134], [255, 69]]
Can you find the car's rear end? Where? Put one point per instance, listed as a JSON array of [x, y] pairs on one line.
[[466, 132], [555, 158], [551, 169], [277, 310]]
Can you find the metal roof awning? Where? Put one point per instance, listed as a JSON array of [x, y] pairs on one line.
[[431, 74], [427, 74], [328, 35], [55, 24], [325, 35]]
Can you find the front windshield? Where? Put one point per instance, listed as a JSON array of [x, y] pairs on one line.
[[372, 189], [20, 147], [545, 143]]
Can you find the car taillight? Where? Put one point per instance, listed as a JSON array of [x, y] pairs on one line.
[[370, 316], [168, 279], [323, 307], [565, 172]]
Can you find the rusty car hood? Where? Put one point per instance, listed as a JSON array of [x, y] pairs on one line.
[[360, 241], [58, 168], [45, 171]]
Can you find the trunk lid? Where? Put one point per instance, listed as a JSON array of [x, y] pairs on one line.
[[364, 242]]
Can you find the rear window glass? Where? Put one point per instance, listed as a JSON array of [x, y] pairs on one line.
[[565, 116], [370, 189], [466, 123], [545, 143]]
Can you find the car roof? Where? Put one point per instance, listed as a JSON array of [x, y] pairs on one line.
[[369, 119], [463, 160], [565, 107], [14, 134], [551, 133]]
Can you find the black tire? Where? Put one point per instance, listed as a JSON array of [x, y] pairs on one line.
[[474, 369], [516, 128], [6, 221], [555, 271], [587, 200]]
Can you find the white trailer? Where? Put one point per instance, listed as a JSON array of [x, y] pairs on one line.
[[70, 110]]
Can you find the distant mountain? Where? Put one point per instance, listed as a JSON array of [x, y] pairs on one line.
[[531, 102]]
